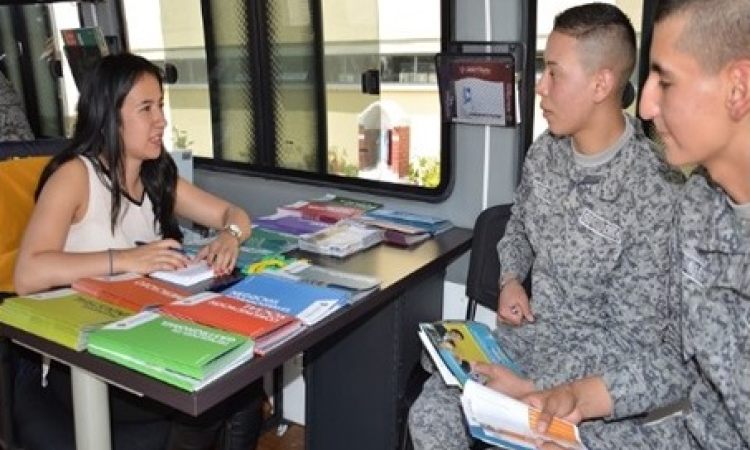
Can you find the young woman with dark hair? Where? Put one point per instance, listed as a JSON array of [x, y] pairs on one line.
[[114, 186]]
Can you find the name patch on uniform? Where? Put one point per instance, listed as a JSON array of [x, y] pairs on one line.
[[694, 269], [542, 191], [600, 226]]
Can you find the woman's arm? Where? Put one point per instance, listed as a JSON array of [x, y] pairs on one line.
[[41, 263], [201, 207]]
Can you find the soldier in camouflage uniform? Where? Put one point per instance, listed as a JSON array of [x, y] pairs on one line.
[[591, 222], [13, 123], [698, 95]]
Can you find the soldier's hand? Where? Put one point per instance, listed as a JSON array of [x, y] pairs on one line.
[[513, 304], [504, 380]]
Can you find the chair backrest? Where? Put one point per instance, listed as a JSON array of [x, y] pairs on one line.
[[484, 268], [37, 147], [16, 202], [21, 163]]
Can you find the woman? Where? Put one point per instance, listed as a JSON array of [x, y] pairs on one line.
[[115, 186]]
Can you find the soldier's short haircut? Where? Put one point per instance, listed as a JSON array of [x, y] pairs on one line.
[[717, 31], [606, 35]]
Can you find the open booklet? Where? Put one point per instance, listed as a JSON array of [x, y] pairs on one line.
[[508, 423], [454, 344], [492, 416]]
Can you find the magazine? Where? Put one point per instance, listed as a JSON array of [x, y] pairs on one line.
[[454, 344]]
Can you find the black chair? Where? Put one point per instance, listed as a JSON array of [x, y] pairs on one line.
[[483, 276], [484, 267]]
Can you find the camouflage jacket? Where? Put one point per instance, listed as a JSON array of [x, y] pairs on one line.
[[596, 240], [714, 261], [712, 267]]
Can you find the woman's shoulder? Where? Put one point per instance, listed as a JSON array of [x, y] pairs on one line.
[[71, 175]]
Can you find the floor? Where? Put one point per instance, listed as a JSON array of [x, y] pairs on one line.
[[292, 439]]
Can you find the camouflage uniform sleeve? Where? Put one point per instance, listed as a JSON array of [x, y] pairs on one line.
[[658, 375], [14, 126], [514, 250]]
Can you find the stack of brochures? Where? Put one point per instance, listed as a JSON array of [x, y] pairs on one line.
[[269, 328], [283, 222], [131, 291], [330, 208], [405, 228], [359, 286], [261, 243], [63, 315], [341, 239], [308, 302], [185, 354]]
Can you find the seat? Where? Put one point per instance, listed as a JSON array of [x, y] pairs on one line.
[[13, 150], [484, 268]]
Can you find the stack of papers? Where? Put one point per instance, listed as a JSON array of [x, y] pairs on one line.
[[194, 273]]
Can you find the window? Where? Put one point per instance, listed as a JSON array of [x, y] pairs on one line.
[[273, 87]]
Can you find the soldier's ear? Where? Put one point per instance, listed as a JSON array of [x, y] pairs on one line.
[[738, 97], [604, 84]]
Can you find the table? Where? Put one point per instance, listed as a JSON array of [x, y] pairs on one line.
[[355, 362]]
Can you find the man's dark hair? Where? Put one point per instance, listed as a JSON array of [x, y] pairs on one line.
[[606, 34]]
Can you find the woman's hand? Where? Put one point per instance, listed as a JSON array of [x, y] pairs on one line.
[[221, 253], [145, 258]]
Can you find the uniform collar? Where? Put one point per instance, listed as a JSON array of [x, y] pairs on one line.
[[606, 180], [723, 230]]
